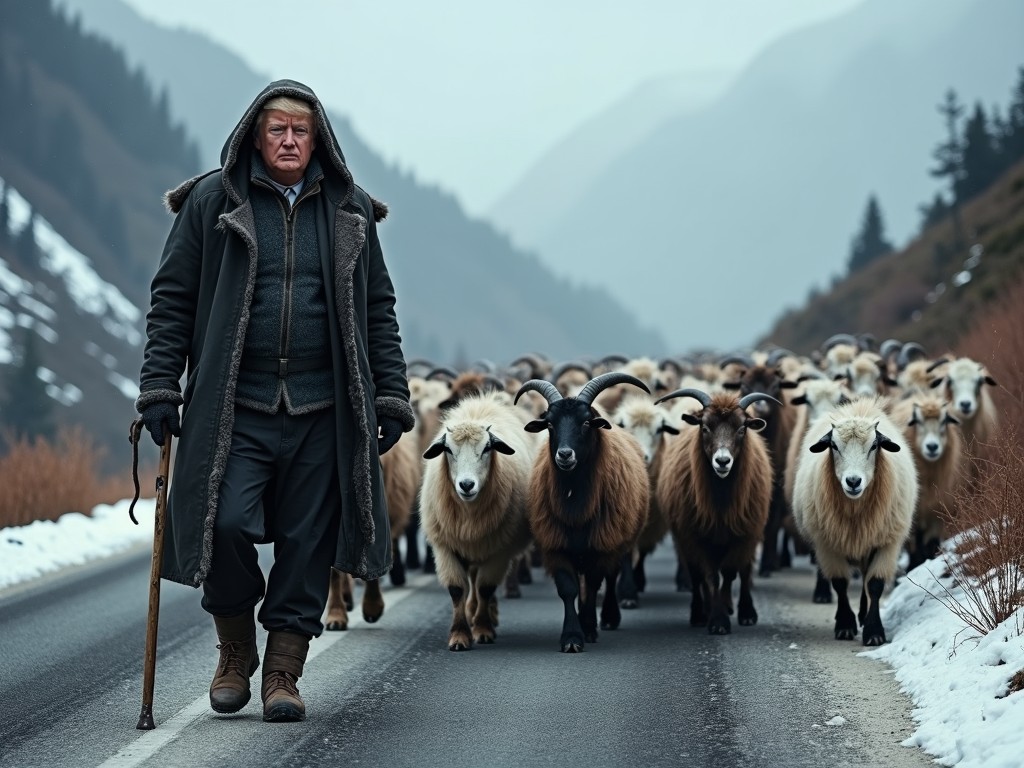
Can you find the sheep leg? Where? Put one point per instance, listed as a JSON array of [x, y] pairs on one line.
[[846, 622], [719, 622], [337, 613], [429, 564], [397, 573], [611, 616], [588, 605], [874, 633], [770, 546], [523, 571], [822, 588], [471, 596], [483, 619], [568, 586], [785, 558], [863, 610], [512, 582], [699, 597], [373, 602], [747, 614], [684, 580], [627, 589], [640, 573], [459, 637], [412, 548]]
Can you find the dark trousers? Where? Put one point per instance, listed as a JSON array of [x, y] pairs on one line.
[[281, 485]]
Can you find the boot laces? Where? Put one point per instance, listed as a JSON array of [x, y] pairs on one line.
[[279, 681], [233, 655]]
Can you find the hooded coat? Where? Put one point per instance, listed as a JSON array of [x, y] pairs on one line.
[[201, 298]]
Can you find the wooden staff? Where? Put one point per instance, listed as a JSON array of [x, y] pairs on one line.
[[146, 722]]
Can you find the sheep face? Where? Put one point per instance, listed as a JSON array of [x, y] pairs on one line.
[[722, 431], [821, 396], [866, 375], [764, 379], [647, 423], [571, 426], [854, 445], [963, 381], [931, 422], [838, 359], [468, 449]]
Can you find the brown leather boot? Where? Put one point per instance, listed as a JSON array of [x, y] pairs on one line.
[[229, 691], [282, 668]]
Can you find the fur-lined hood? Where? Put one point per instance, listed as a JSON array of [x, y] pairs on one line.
[[238, 149]]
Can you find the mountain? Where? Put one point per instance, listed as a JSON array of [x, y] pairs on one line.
[[464, 291], [540, 199], [728, 215], [925, 292]]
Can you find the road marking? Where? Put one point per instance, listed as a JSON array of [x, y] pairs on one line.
[[148, 743]]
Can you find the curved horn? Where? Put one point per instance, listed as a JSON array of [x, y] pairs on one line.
[[777, 354], [702, 397], [485, 366], [908, 353], [669, 362], [495, 382], [614, 359], [889, 347], [866, 341], [743, 360], [563, 368], [546, 388], [754, 397], [840, 338], [594, 387], [443, 371], [935, 364]]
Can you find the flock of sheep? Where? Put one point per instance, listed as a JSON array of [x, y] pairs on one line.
[[849, 454]]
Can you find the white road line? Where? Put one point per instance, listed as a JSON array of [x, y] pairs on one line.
[[148, 743]]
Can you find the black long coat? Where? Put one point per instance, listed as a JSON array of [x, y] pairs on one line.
[[201, 296]]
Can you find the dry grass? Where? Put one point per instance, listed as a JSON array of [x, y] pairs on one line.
[[42, 481], [987, 516]]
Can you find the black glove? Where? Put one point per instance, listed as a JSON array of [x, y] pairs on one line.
[[156, 414], [390, 430]]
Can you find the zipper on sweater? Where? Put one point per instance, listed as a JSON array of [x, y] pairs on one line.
[[289, 273]]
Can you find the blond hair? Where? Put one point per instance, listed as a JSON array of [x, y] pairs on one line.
[[288, 105]]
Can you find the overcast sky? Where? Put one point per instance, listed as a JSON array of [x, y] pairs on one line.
[[467, 94]]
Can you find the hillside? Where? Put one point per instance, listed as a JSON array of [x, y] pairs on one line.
[[463, 289], [925, 292], [765, 184]]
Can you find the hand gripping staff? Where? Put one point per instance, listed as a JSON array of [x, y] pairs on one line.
[[146, 722]]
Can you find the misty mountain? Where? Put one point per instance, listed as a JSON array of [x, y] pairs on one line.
[[729, 214], [463, 289], [545, 192]]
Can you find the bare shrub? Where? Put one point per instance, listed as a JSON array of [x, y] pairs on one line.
[[42, 481]]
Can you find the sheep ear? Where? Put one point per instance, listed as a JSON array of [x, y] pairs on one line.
[[597, 423], [990, 380], [692, 418], [787, 384], [838, 376], [668, 428], [799, 400], [889, 381], [755, 424], [886, 444], [936, 382], [537, 425], [732, 385], [435, 449], [499, 445], [950, 420], [823, 444]]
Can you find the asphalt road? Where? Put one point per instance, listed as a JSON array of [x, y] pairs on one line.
[[654, 693]]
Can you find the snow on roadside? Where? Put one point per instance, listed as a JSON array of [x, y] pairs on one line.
[[29, 551], [958, 681]]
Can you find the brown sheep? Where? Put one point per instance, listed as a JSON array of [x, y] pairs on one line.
[[715, 486]]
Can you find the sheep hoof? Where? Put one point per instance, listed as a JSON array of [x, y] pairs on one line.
[[572, 647], [336, 626], [874, 636], [484, 639], [748, 621], [719, 628], [350, 604], [822, 598], [459, 645], [846, 633], [628, 603], [590, 637], [372, 617]]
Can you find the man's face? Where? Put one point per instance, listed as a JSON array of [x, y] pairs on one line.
[[286, 143]]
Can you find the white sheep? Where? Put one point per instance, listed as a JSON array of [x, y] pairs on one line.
[[854, 498], [473, 507], [964, 383]]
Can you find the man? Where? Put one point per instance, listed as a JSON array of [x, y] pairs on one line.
[[272, 295]]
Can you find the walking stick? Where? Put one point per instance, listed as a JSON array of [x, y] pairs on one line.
[[146, 722]]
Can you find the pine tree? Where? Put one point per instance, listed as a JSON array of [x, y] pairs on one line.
[[980, 158], [949, 156], [934, 212], [27, 409], [870, 243], [1012, 139]]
